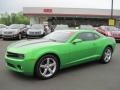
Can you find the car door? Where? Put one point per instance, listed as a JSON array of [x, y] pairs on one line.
[[84, 50]]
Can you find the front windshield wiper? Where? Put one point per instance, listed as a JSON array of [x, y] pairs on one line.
[[53, 40]]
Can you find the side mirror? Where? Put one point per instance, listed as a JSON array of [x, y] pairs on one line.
[[76, 41]]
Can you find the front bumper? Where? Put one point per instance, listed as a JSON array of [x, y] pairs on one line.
[[20, 65], [0, 36], [35, 36], [9, 36]]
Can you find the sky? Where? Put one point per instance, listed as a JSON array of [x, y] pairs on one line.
[[17, 5]]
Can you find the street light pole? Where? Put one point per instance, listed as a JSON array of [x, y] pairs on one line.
[[111, 8]]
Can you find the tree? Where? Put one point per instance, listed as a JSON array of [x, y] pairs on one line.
[[14, 18]]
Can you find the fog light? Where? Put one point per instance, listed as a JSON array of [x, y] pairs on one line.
[[19, 67]]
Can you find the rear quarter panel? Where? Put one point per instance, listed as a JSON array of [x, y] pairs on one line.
[[105, 42]]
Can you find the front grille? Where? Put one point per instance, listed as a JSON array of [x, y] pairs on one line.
[[15, 55], [34, 33], [10, 65], [7, 32]]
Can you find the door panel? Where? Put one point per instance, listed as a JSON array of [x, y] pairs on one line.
[[82, 50]]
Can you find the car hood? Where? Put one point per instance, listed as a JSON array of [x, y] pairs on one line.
[[10, 30], [30, 45]]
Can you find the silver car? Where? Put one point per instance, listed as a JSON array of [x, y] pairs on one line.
[[2, 27], [14, 31], [36, 30]]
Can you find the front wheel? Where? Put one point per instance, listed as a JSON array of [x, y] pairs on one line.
[[107, 55], [46, 67]]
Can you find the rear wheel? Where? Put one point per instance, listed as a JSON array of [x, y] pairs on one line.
[[107, 55], [46, 67]]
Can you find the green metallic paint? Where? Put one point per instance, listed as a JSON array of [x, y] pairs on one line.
[[69, 54]]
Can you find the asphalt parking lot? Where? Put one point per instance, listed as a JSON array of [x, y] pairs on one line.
[[90, 76]]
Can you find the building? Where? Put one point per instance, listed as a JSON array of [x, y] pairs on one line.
[[70, 16]]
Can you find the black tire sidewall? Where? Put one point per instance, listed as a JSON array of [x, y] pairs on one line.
[[37, 72]]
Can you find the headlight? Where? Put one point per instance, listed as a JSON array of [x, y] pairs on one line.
[[15, 55], [15, 32], [21, 56], [27, 32], [0, 32]]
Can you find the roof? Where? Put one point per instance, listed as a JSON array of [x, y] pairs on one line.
[[59, 11]]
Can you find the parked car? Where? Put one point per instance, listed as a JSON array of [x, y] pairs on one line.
[[110, 31], [47, 29], [36, 30], [86, 27], [14, 31], [59, 49], [2, 27]]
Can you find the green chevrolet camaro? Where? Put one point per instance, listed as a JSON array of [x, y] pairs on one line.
[[58, 50]]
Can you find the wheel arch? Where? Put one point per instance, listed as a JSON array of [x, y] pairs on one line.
[[49, 53], [110, 47]]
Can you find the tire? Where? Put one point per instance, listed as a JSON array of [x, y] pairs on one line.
[[27, 37], [4, 38], [19, 36], [107, 55], [46, 67]]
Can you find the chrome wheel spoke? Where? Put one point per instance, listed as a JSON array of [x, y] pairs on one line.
[[43, 66], [48, 61], [45, 71], [50, 70], [51, 65]]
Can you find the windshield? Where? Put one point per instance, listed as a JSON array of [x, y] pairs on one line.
[[59, 36], [62, 27], [36, 26], [2, 26], [86, 27], [14, 26]]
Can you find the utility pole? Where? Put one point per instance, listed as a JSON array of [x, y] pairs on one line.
[[111, 9], [112, 20]]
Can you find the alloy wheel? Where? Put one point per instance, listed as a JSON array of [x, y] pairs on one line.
[[107, 55], [47, 67]]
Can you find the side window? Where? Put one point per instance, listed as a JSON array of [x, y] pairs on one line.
[[88, 36], [96, 36]]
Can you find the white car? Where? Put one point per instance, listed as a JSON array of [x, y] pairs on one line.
[[14, 31], [2, 27], [36, 30]]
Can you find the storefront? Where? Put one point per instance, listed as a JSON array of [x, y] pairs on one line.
[[70, 16]]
